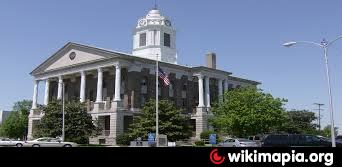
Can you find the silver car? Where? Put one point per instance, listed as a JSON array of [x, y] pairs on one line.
[[49, 142], [11, 142], [238, 142]]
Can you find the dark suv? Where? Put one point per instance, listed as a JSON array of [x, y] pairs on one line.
[[339, 137], [295, 140]]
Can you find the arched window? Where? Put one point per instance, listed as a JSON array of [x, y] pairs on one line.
[[143, 86], [159, 88], [184, 90], [123, 86], [171, 89], [143, 91]]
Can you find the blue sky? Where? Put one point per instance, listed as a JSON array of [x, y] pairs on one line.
[[247, 37]]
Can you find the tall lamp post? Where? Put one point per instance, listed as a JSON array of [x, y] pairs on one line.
[[323, 45]]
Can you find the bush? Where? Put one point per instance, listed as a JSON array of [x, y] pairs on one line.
[[205, 134], [199, 143], [123, 139]]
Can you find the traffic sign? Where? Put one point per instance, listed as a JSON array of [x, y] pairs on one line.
[[212, 138], [151, 137]]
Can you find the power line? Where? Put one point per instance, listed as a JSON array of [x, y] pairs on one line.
[[319, 114]]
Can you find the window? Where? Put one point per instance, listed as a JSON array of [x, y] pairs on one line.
[[171, 89], [142, 41], [184, 89], [230, 86], [312, 139], [184, 102], [55, 140], [142, 100], [167, 40], [143, 91], [143, 85], [159, 88], [123, 87]]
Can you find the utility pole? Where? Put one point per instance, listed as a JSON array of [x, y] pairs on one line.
[[319, 114]]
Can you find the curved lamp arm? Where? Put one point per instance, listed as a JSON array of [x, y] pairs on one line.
[[288, 44], [333, 41]]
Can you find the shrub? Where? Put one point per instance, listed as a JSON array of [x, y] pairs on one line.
[[205, 134], [123, 139], [199, 143]]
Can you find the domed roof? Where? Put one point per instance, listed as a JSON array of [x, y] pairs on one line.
[[153, 17]]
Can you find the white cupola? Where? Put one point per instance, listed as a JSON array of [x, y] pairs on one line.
[[154, 36]]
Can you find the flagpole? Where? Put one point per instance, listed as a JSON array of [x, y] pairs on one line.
[[157, 99], [63, 112]]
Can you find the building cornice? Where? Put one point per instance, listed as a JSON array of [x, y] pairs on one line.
[[112, 57]]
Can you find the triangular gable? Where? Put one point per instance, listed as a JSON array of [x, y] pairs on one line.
[[72, 54], [73, 57]]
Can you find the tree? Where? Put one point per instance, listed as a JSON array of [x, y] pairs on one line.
[[79, 125], [15, 126], [171, 122], [247, 111], [300, 122], [326, 132]]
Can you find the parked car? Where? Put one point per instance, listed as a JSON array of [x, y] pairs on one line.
[[295, 140], [49, 142], [337, 141], [339, 138], [257, 139], [11, 142], [238, 142]]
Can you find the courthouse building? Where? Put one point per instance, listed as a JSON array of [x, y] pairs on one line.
[[115, 86]]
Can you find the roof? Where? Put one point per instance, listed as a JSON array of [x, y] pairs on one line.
[[109, 54]]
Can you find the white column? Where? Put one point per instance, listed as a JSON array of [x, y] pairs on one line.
[[225, 84], [47, 89], [220, 91], [200, 91], [60, 87], [83, 86], [35, 95], [117, 96], [99, 85], [207, 91]]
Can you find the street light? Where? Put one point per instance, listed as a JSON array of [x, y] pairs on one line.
[[323, 45]]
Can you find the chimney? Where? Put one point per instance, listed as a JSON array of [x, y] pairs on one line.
[[211, 60]]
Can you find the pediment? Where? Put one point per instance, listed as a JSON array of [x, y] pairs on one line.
[[73, 57], [72, 54]]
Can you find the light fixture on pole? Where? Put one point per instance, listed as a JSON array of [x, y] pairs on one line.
[[323, 45]]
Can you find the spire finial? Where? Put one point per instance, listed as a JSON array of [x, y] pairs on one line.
[[155, 5]]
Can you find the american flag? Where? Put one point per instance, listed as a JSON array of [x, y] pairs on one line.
[[163, 76]]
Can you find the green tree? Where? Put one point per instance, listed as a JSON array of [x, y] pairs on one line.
[[79, 125], [15, 126], [300, 122], [248, 111], [171, 122], [326, 132]]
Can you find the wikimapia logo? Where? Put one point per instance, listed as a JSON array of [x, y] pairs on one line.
[[247, 156], [215, 158]]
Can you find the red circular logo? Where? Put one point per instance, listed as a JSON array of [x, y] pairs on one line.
[[215, 158]]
